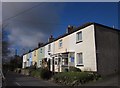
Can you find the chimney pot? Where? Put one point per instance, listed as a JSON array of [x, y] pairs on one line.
[[69, 29], [50, 38]]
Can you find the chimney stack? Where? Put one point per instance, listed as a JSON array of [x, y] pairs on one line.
[[69, 29], [50, 38], [40, 44]]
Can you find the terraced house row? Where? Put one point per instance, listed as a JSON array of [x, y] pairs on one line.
[[90, 47]]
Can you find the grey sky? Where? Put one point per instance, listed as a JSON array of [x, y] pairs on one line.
[[26, 30]]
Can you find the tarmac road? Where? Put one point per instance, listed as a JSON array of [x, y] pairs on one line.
[[15, 79]]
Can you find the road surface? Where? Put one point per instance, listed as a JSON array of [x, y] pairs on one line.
[[15, 79]]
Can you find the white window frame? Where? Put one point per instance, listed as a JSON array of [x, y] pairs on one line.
[[80, 59], [56, 61], [60, 43], [49, 47], [41, 50], [40, 62], [79, 37]]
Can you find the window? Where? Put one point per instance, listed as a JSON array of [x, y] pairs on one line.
[[40, 62], [79, 37], [49, 48], [41, 50], [56, 61], [79, 58], [60, 43], [31, 63], [30, 55], [72, 55], [72, 59], [34, 53]]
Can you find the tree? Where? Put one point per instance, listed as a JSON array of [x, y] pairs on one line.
[[16, 62], [5, 44]]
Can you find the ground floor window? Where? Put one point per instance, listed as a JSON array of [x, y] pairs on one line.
[[72, 55], [24, 64], [79, 58], [31, 63], [56, 61]]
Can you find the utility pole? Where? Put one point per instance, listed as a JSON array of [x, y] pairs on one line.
[[15, 52]]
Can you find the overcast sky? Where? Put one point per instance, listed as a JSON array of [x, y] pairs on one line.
[[30, 23]]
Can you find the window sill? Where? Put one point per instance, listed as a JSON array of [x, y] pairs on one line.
[[79, 41], [79, 65]]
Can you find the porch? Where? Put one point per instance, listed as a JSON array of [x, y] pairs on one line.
[[62, 61]]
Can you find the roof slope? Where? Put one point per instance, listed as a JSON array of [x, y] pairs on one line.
[[76, 29]]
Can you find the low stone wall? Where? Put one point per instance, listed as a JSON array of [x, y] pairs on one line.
[[22, 71], [25, 71]]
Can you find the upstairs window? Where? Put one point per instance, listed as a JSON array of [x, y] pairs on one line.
[[27, 59], [34, 53], [79, 37], [60, 43], [49, 47], [41, 50]]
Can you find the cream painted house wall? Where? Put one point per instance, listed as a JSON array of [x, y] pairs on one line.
[[87, 47], [46, 52], [35, 56], [64, 47]]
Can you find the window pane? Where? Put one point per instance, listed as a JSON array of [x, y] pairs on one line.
[[80, 58], [60, 43], [72, 59], [40, 50], [79, 36], [49, 47]]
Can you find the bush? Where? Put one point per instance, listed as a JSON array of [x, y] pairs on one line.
[[35, 73], [74, 69], [45, 73], [73, 78]]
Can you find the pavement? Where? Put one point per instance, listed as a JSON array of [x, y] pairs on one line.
[[15, 79]]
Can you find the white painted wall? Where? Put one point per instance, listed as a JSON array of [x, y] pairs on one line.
[[46, 52], [52, 52], [24, 60], [87, 47]]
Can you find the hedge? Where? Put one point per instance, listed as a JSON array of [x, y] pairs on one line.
[[74, 69], [43, 73], [74, 78]]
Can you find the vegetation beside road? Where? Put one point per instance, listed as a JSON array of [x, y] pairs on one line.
[[73, 77]]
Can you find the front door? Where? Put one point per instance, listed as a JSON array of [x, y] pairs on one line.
[[53, 69]]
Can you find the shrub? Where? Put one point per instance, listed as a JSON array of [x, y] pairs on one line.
[[74, 69], [45, 73], [72, 78], [35, 73]]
